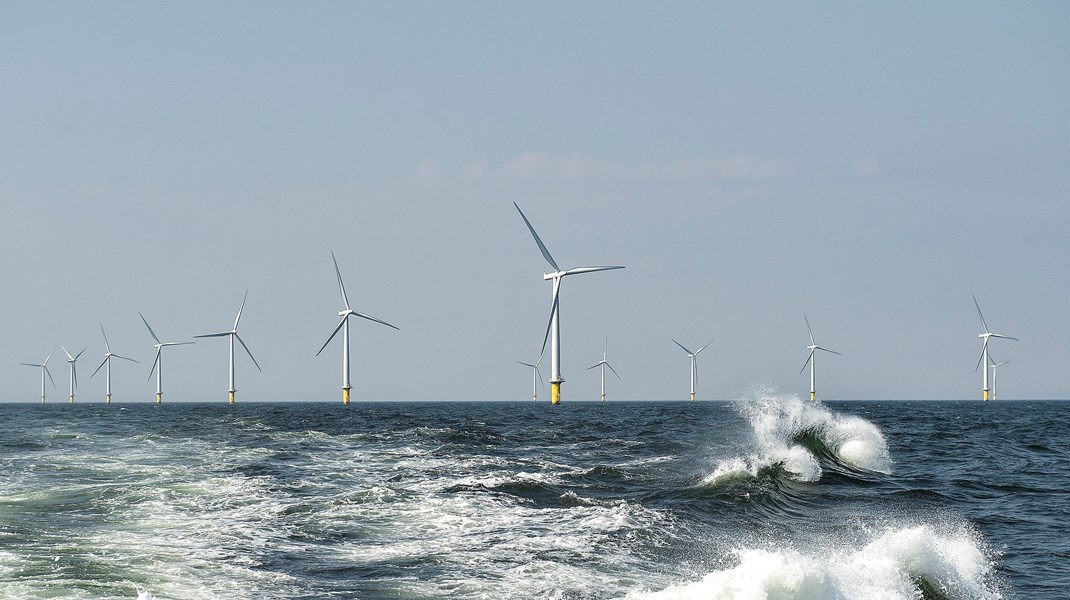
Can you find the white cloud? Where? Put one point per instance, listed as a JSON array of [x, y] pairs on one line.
[[541, 165]]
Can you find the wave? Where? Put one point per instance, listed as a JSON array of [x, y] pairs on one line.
[[792, 436], [908, 563]]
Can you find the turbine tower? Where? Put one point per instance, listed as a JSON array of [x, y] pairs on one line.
[[983, 359], [157, 365], [811, 359], [73, 362], [233, 334], [44, 371], [535, 377], [995, 365], [602, 363], [108, 354], [694, 364], [553, 327], [343, 325]]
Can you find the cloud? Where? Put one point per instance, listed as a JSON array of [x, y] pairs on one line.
[[544, 166], [864, 167]]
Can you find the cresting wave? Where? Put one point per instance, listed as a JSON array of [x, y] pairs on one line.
[[908, 563], [793, 435]]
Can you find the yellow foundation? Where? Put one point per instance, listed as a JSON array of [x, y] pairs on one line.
[[232, 396], [986, 395], [159, 397], [555, 392], [345, 396], [108, 399], [603, 397], [71, 400], [813, 396], [692, 396]]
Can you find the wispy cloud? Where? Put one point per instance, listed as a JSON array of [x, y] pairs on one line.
[[864, 167]]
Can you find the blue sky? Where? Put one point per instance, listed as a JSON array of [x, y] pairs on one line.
[[869, 164]]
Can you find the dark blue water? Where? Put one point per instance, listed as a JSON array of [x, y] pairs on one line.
[[768, 496]]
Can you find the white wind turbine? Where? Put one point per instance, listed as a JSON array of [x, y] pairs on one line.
[[694, 364], [553, 327], [233, 334], [343, 325], [73, 362], [984, 348], [157, 365], [995, 365], [603, 363], [108, 354], [811, 359], [535, 377], [44, 371]]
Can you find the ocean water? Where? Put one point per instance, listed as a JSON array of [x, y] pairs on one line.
[[767, 496]]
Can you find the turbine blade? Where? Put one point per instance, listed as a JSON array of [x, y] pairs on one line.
[[826, 350], [696, 370], [538, 377], [106, 345], [808, 357], [689, 353], [545, 252], [553, 311], [178, 343], [151, 332], [371, 318], [703, 348], [49, 373], [69, 357], [102, 363], [74, 374], [341, 286], [154, 363], [579, 270], [1005, 337], [242, 307], [79, 354], [208, 335], [983, 324], [31, 365], [811, 331], [49, 356], [525, 364], [982, 356], [333, 333], [594, 366], [125, 358], [248, 352], [615, 371]]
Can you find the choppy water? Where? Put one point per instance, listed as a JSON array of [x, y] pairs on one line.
[[765, 497]]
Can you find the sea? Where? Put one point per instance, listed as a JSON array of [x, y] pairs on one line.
[[766, 496]]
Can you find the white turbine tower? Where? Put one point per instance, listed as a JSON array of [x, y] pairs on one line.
[[73, 362], [994, 366], [44, 371], [108, 354], [553, 327], [535, 377], [694, 364], [984, 348], [811, 359], [603, 363], [343, 325], [233, 334], [157, 365]]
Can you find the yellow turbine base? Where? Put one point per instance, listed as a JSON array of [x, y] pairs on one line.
[[986, 395], [159, 397], [813, 396], [555, 392], [692, 396], [71, 400], [108, 398], [42, 399], [603, 397], [345, 396], [232, 396], [535, 398]]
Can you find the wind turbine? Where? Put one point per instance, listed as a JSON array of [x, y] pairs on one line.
[[233, 334], [995, 365], [344, 326], [44, 370], [553, 327], [157, 365], [811, 359], [602, 363], [535, 377], [694, 364], [984, 348], [73, 362], [108, 354]]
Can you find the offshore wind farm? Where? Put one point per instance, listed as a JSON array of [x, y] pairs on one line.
[[445, 167]]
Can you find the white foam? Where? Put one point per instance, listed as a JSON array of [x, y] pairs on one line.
[[890, 567]]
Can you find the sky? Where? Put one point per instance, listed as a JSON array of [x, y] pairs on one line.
[[868, 164]]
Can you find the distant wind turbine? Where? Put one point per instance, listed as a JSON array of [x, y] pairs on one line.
[[694, 364], [73, 362], [983, 359], [995, 365], [343, 325], [44, 371], [603, 364], [157, 365], [108, 354], [553, 327], [536, 380], [811, 359], [233, 334]]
